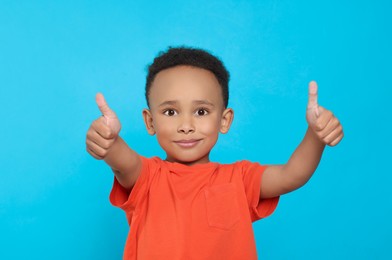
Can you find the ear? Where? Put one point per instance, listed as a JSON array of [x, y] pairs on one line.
[[226, 120], [148, 121]]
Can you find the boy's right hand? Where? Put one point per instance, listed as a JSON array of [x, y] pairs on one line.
[[103, 132]]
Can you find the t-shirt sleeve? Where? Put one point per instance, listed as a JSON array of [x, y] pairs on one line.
[[127, 200], [252, 177]]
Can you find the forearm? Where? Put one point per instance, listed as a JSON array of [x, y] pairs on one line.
[[124, 162], [304, 161], [323, 129]]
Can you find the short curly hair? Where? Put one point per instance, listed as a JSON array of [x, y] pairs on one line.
[[176, 56]]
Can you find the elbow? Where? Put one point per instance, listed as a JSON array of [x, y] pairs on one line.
[[292, 184]]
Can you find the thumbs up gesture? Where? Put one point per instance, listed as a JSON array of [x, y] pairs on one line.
[[323, 123], [103, 131]]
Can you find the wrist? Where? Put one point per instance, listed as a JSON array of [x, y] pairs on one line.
[[313, 137]]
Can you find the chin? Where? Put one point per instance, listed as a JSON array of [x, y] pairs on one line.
[[189, 160]]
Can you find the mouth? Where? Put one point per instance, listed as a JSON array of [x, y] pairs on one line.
[[187, 143]]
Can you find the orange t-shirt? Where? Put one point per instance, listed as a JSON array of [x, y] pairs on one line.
[[204, 211]]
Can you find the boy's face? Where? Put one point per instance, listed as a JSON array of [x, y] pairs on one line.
[[187, 113]]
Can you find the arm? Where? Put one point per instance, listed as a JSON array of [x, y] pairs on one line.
[[324, 129], [125, 163], [103, 142]]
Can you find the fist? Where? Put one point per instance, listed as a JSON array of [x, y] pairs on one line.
[[103, 132], [323, 123]]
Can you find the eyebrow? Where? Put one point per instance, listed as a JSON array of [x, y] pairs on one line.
[[203, 102], [197, 102], [168, 103]]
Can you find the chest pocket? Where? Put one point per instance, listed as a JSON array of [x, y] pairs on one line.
[[222, 206]]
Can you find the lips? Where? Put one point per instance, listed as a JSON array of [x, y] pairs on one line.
[[187, 143]]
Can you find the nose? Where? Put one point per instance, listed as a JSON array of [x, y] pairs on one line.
[[186, 125]]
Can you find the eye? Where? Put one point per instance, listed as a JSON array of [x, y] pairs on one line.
[[201, 112], [170, 112]]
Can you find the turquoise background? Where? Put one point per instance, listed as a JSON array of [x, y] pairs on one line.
[[55, 55]]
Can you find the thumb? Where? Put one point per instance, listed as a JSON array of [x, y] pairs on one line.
[[108, 114], [313, 95], [103, 107]]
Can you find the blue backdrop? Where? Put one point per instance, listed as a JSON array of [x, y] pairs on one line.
[[55, 55]]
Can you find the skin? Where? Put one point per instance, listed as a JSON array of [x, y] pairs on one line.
[[187, 115]]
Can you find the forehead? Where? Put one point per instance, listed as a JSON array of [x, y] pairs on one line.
[[185, 83]]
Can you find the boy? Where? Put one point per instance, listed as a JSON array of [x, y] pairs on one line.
[[186, 207]]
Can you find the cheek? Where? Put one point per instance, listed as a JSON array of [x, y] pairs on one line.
[[163, 127], [209, 127]]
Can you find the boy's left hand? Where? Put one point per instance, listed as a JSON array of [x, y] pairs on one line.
[[323, 123]]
